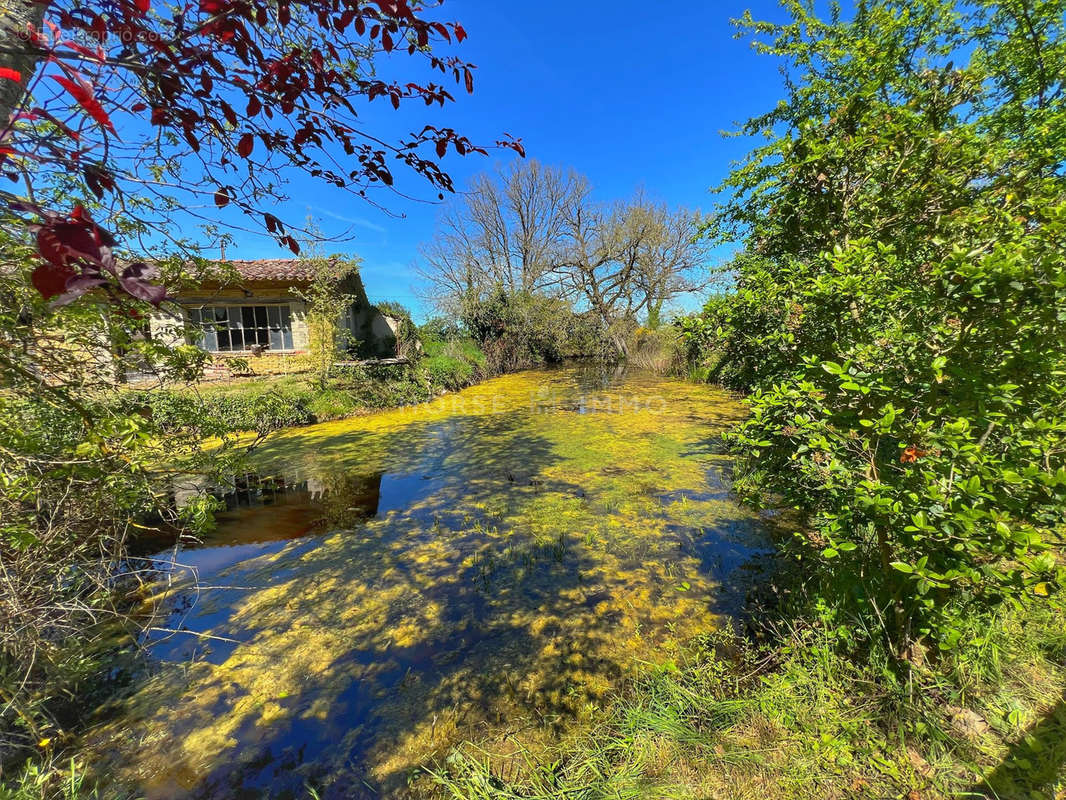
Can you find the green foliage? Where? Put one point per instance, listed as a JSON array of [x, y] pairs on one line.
[[440, 328], [327, 303], [658, 349], [899, 312], [518, 330], [263, 405], [408, 344], [80, 470], [48, 782], [452, 363]]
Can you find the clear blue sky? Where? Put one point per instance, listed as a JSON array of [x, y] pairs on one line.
[[628, 93]]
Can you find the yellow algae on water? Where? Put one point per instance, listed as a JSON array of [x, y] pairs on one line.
[[526, 549]]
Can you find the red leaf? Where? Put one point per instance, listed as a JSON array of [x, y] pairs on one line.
[[137, 108], [254, 106], [386, 41], [442, 147], [440, 28], [51, 279], [245, 145], [912, 454], [469, 78], [221, 198], [82, 91], [228, 113], [143, 5], [293, 245], [460, 33], [11, 74]]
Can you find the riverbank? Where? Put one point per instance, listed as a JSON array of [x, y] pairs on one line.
[[795, 718], [270, 402], [515, 469]]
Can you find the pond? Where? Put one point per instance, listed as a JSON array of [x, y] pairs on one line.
[[484, 568]]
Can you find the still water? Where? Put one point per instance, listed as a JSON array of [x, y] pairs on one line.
[[484, 568]]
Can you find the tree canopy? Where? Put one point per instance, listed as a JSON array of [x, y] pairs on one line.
[[533, 228], [899, 309], [136, 113]]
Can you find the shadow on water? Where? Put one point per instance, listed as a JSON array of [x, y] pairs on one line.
[[409, 581]]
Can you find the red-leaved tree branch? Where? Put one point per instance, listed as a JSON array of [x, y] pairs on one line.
[[145, 108]]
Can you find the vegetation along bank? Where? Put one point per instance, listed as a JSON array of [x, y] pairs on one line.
[[893, 317]]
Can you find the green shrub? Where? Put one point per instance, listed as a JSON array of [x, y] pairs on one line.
[[408, 344], [448, 373], [657, 350], [900, 313], [518, 330], [330, 404], [260, 406], [440, 329]]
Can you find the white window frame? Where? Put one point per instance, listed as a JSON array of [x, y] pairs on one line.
[[225, 326]]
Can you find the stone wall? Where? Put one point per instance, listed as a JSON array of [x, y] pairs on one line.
[[364, 322], [165, 327]]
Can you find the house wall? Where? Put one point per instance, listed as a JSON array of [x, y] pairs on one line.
[[165, 327], [366, 325]]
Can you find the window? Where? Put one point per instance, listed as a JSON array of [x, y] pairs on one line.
[[235, 328]]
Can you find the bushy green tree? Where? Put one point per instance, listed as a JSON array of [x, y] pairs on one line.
[[899, 310], [327, 303], [84, 469], [525, 329]]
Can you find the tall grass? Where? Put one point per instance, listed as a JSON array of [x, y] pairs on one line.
[[49, 780], [803, 719]]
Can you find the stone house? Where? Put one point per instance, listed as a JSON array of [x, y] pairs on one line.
[[259, 312]]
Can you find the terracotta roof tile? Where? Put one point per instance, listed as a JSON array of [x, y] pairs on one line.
[[283, 270]]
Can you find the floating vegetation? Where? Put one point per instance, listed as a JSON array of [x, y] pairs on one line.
[[507, 564]]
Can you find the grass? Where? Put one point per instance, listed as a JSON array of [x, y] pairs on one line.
[[268, 403], [801, 720], [48, 780]]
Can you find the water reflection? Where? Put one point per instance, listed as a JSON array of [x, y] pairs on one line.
[[486, 566]]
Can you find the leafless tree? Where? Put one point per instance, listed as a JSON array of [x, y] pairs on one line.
[[629, 258], [536, 228], [505, 231]]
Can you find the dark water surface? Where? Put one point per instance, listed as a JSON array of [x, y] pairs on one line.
[[487, 567]]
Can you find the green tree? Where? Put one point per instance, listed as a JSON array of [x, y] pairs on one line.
[[84, 469], [899, 309], [327, 304]]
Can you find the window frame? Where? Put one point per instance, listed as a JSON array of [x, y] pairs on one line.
[[227, 332]]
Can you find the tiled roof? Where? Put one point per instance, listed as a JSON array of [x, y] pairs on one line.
[[282, 270]]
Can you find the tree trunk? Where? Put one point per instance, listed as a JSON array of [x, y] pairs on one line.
[[17, 52]]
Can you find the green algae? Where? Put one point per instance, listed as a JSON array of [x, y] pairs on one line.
[[557, 534]]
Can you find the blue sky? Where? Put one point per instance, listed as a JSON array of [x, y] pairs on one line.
[[631, 94]]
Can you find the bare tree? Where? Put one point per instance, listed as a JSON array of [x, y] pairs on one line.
[[627, 258], [506, 231], [536, 228]]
